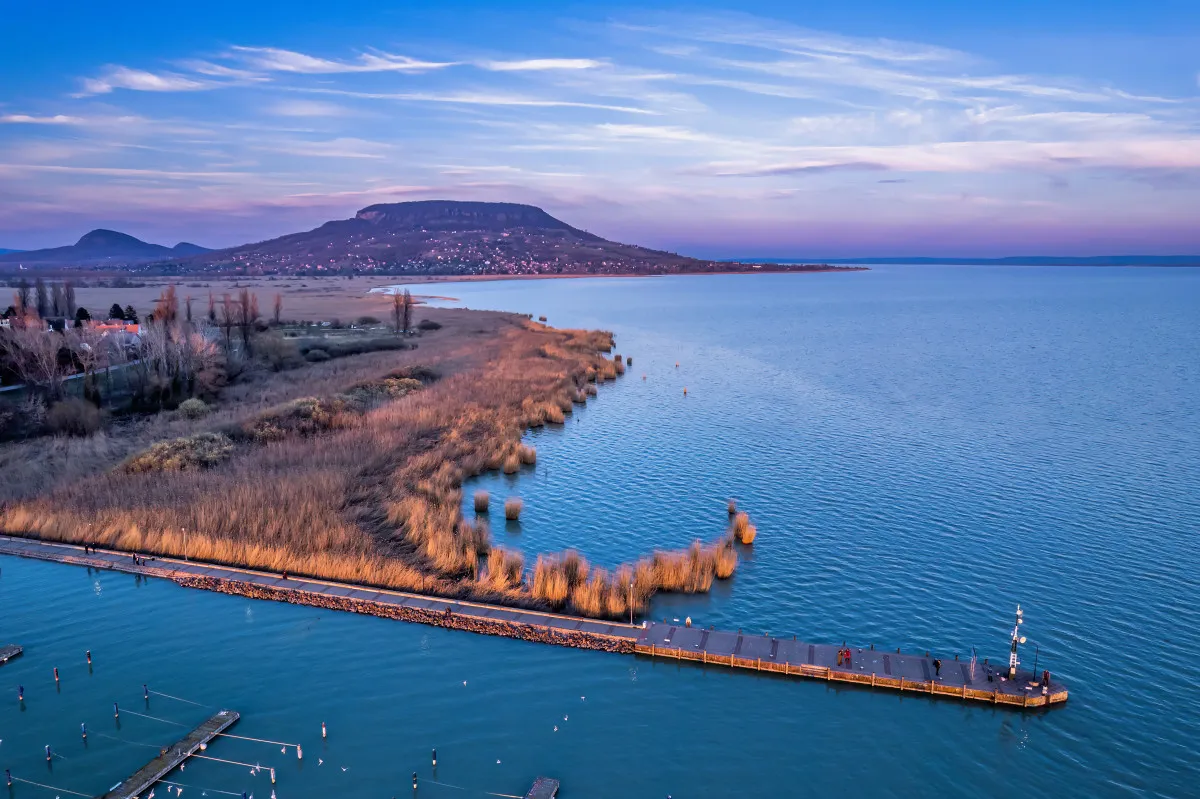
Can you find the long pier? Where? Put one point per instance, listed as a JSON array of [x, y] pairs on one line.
[[871, 668], [8, 652], [170, 757]]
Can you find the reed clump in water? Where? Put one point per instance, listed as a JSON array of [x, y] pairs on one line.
[[591, 390], [512, 463], [732, 507], [482, 498], [743, 530], [528, 455], [725, 559], [512, 508]]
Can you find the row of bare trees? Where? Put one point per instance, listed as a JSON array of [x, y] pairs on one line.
[[47, 300]]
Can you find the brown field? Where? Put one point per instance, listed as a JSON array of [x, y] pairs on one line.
[[348, 469], [304, 299]]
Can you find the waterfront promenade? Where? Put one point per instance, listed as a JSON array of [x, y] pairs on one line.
[[915, 673]]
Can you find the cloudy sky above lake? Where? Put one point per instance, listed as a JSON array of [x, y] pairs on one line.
[[765, 129]]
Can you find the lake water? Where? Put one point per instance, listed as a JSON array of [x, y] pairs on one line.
[[921, 449]]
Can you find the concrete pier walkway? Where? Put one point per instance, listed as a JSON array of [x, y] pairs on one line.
[[783, 656]]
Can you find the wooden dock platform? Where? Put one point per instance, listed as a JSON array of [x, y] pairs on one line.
[[784, 656], [543, 788], [170, 758], [8, 652]]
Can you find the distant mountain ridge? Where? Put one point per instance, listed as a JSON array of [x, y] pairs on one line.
[[101, 246], [1030, 260], [450, 237]]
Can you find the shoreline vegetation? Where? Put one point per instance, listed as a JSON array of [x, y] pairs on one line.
[[353, 470]]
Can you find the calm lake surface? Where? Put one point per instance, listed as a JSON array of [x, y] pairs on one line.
[[921, 448]]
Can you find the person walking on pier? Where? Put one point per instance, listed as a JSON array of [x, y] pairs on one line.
[[937, 667]]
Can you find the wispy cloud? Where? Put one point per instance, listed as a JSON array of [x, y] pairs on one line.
[[540, 64], [118, 77], [29, 119], [273, 59]]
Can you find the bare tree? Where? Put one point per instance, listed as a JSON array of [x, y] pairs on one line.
[[69, 304], [43, 299], [58, 305], [166, 309], [247, 307], [22, 295], [406, 311], [402, 305], [228, 319], [212, 309], [278, 309], [35, 354]]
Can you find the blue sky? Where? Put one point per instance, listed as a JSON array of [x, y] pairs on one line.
[[768, 129]]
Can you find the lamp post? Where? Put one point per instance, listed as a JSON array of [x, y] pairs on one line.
[[631, 603], [1017, 638], [184, 529]]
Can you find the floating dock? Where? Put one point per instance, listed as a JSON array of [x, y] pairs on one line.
[[8, 652], [881, 669], [543, 788], [170, 757]]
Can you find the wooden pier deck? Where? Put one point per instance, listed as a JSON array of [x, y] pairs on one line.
[[543, 788], [169, 758], [8, 652], [881, 669], [867, 667]]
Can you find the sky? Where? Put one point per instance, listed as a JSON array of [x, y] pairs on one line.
[[771, 129]]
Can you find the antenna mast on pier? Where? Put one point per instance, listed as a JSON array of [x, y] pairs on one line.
[[1017, 638]]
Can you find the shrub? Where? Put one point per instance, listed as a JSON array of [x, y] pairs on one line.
[[305, 416], [426, 374], [277, 352], [73, 417], [193, 408], [181, 454], [316, 356], [428, 324], [481, 501], [512, 508], [367, 321], [541, 319], [389, 388]]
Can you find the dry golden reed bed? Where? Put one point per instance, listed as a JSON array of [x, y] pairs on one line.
[[363, 482]]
